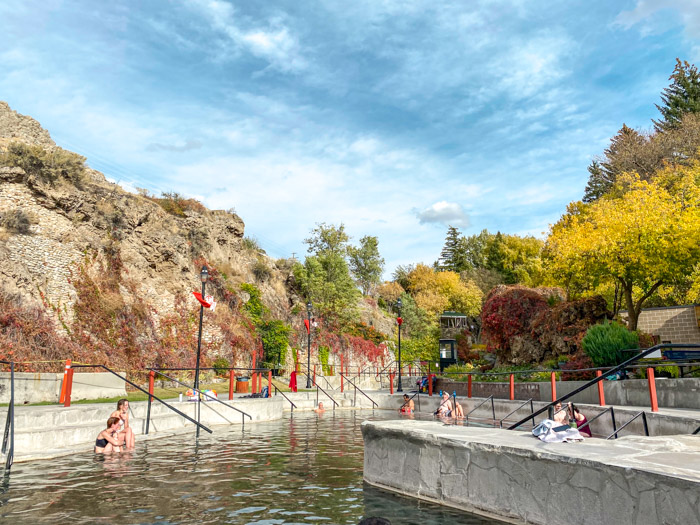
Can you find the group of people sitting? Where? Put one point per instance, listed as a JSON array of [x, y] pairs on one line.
[[118, 435], [447, 407]]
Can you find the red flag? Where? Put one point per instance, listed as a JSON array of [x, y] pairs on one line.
[[399, 320], [308, 327], [199, 297]]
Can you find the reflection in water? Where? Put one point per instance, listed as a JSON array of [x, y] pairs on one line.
[[303, 469]]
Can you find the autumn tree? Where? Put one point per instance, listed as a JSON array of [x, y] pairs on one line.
[[366, 264], [436, 292], [641, 235]]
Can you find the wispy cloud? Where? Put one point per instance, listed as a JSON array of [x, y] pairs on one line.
[[189, 145], [445, 213]]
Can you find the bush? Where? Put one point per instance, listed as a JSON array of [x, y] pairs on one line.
[[577, 362], [251, 245], [221, 366], [176, 204], [48, 165], [16, 221], [261, 270], [604, 343]]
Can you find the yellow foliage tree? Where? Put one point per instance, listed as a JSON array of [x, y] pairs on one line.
[[436, 292], [644, 234]]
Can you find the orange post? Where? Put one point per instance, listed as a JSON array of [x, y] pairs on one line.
[[511, 382], [409, 371], [230, 384], [296, 369], [553, 380], [652, 390], [269, 383], [341, 381], [314, 383], [151, 381], [430, 384], [391, 383], [469, 385], [69, 388], [601, 392], [64, 384]]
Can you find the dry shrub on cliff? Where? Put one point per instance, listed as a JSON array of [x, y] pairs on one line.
[[174, 203], [16, 221], [46, 164]]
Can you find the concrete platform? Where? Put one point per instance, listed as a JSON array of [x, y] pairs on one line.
[[635, 480]]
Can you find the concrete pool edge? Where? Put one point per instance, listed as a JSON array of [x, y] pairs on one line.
[[514, 476]]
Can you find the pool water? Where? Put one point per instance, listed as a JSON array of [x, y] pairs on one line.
[[306, 468]]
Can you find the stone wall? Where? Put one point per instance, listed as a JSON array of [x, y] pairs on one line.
[[672, 324]]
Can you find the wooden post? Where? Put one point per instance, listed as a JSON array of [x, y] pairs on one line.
[[511, 382], [652, 390], [230, 384], [601, 392], [553, 380]]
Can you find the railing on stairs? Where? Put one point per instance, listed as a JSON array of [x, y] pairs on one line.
[[8, 440], [308, 376], [532, 409], [188, 418], [493, 410], [282, 393], [354, 402]]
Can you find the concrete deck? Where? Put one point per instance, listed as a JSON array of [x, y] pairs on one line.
[[635, 480]]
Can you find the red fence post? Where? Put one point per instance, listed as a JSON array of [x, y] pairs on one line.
[[341, 381], [151, 381], [391, 383], [511, 382], [469, 385], [69, 387], [553, 380], [601, 392], [430, 384], [652, 390], [64, 385], [230, 384], [296, 369], [409, 370], [269, 383], [314, 383]]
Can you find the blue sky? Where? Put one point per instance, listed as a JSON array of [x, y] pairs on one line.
[[395, 118]]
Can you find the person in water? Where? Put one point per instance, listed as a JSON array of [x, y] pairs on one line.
[[320, 408], [126, 433], [445, 408], [408, 406], [107, 441]]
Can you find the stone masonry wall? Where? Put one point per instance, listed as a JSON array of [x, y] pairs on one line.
[[674, 324]]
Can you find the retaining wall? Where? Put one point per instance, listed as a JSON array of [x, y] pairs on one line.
[[40, 387]]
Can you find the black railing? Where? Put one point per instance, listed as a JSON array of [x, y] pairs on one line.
[[644, 421], [532, 409], [612, 417], [493, 409], [282, 393], [335, 403], [361, 392], [199, 394], [611, 371], [188, 418], [8, 440]]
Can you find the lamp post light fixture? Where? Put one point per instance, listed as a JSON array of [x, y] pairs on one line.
[[203, 275], [399, 320], [308, 346]]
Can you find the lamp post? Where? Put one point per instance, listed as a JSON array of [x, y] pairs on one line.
[[204, 275], [308, 353], [399, 320]]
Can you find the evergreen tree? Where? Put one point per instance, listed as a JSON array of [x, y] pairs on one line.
[[681, 97], [453, 257], [599, 182]]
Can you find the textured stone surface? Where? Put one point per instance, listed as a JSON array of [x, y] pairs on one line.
[[632, 480]]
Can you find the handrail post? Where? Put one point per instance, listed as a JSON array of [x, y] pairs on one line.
[[230, 385], [646, 425], [391, 383], [269, 383], [11, 420], [469, 386], [614, 425], [297, 363], [409, 371], [553, 381], [493, 411], [151, 379], [341, 379], [64, 384], [511, 384], [601, 391], [652, 390], [69, 387]]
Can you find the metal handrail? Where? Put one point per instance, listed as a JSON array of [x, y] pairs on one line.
[[532, 409], [493, 409], [697, 431], [9, 434], [644, 420], [290, 401], [612, 415], [414, 395], [358, 388], [335, 403], [243, 414], [199, 425], [597, 379]]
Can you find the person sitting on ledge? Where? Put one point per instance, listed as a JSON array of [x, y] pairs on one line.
[[459, 411], [580, 421], [560, 415], [320, 408], [445, 408], [408, 406], [107, 440], [126, 433]]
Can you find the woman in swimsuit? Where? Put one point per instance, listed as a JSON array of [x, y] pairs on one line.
[[107, 440], [126, 433], [445, 408]]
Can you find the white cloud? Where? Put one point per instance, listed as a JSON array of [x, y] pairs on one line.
[[445, 213], [644, 13]]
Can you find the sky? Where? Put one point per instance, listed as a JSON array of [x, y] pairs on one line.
[[394, 118]]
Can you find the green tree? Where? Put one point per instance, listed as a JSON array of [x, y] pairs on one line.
[[366, 264], [327, 238], [453, 257], [681, 97], [476, 247], [275, 339]]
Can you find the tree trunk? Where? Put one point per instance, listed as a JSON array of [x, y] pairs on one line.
[[633, 310]]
